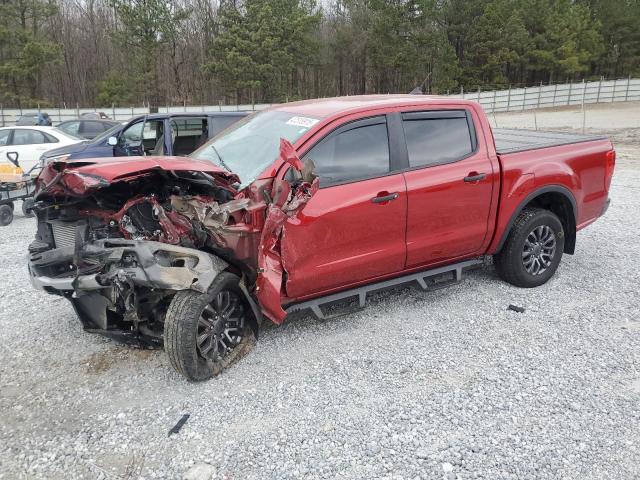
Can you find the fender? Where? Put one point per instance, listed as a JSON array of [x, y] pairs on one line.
[[532, 196]]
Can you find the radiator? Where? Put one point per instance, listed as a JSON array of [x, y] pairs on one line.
[[64, 234]]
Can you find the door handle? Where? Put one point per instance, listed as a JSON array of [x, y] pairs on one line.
[[475, 177], [385, 197]]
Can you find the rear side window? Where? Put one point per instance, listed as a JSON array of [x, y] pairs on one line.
[[219, 124], [358, 152], [50, 138], [433, 140], [92, 128], [28, 137], [188, 127]]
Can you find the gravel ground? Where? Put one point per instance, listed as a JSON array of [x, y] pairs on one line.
[[448, 384]]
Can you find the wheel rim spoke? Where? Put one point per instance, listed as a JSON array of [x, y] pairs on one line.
[[539, 250], [220, 326]]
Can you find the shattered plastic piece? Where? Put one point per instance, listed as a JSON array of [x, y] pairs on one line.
[[176, 428], [515, 308]]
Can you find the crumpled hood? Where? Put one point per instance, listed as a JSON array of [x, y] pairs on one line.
[[83, 175]]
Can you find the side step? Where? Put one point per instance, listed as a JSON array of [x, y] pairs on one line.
[[425, 280]]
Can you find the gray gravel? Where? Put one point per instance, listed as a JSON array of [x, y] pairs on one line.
[[448, 384]]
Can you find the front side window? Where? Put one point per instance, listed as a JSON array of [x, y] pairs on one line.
[[133, 135], [152, 130], [111, 132], [28, 137], [143, 138], [434, 141], [358, 153]]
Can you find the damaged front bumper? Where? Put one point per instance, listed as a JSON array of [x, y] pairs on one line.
[[140, 262], [117, 287]]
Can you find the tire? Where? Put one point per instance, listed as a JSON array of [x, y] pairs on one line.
[[6, 215], [27, 205], [533, 249], [193, 315]]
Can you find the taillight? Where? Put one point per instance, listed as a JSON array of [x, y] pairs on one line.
[[608, 169]]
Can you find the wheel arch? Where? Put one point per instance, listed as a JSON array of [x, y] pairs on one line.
[[556, 199]]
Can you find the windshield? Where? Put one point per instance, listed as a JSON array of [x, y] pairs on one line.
[[251, 145], [108, 133]]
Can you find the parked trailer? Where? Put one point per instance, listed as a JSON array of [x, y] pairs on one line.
[[16, 185]]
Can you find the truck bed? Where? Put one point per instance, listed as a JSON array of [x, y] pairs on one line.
[[517, 140]]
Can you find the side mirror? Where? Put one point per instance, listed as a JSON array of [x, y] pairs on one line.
[[113, 141], [13, 158]]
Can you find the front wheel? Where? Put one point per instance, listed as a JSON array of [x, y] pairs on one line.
[[206, 332], [533, 249]]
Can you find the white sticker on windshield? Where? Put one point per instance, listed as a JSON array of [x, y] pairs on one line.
[[305, 122]]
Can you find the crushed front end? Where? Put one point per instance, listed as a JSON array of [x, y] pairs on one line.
[[138, 244]]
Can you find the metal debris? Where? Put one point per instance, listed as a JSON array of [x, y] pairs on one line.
[[176, 428]]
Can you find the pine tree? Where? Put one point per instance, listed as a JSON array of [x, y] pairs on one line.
[[24, 49]]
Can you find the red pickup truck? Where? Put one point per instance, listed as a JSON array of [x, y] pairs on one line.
[[302, 205]]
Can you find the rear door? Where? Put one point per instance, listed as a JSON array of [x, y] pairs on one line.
[[449, 183], [353, 228]]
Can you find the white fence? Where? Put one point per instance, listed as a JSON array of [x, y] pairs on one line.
[[513, 99], [544, 96], [8, 116]]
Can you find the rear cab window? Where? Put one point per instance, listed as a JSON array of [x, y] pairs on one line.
[[438, 137]]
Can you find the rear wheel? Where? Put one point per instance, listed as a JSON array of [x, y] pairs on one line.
[[205, 333], [6, 214], [533, 249]]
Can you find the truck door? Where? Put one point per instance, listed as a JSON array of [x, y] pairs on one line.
[[353, 228], [450, 180]]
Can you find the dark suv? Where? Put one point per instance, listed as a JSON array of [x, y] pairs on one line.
[[153, 134]]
